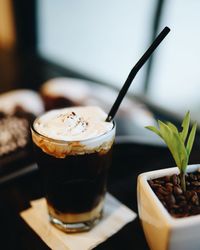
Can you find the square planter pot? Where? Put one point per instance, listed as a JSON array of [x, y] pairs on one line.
[[162, 231]]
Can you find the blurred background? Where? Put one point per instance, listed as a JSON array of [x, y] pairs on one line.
[[100, 41]]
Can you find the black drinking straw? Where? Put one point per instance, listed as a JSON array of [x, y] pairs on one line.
[[134, 71]]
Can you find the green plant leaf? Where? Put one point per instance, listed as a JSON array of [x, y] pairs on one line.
[[172, 127], [185, 126], [191, 138], [174, 143], [153, 129]]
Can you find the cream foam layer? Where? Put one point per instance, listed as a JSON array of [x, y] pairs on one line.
[[73, 124], [79, 130]]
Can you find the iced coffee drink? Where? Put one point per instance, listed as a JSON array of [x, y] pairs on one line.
[[73, 148]]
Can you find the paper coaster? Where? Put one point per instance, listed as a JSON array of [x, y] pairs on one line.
[[116, 215]]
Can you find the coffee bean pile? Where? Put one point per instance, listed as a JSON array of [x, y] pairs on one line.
[[174, 199]]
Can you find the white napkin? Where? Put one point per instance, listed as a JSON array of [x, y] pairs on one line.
[[116, 215]]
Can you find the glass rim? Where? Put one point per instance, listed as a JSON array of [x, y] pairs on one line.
[[69, 141]]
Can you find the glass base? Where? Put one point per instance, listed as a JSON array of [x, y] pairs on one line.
[[75, 227]]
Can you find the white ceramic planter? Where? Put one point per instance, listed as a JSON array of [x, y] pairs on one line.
[[162, 231]]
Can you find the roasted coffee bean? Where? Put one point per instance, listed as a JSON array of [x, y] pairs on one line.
[[170, 200], [188, 195], [183, 203], [159, 181], [162, 191], [177, 190], [196, 183], [167, 178], [169, 188], [180, 198], [156, 186], [195, 199], [193, 177], [193, 192], [175, 179], [175, 206], [153, 184], [169, 184]]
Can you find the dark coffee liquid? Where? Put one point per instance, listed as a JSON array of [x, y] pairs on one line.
[[75, 184]]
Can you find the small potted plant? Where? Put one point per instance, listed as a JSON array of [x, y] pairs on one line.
[[169, 199]]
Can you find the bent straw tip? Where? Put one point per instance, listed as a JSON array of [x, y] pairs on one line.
[[134, 71], [167, 29]]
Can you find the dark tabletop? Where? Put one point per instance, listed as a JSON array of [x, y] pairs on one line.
[[18, 188], [129, 160]]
